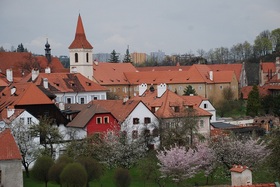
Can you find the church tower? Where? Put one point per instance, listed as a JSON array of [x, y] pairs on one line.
[[81, 52]]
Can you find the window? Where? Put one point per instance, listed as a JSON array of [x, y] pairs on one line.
[[153, 109], [98, 120], [29, 120], [76, 57], [0, 176], [68, 100], [221, 87], [134, 134], [147, 120], [82, 101], [146, 133], [135, 120], [201, 123], [177, 109], [106, 119], [200, 87], [205, 105], [87, 57], [180, 88], [21, 120]]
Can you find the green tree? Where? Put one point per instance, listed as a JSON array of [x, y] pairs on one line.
[[122, 177], [263, 43], [49, 134], [21, 48], [127, 58], [189, 90], [274, 145], [58, 167], [275, 37], [73, 175], [41, 169], [114, 57], [93, 168], [228, 94], [253, 103]]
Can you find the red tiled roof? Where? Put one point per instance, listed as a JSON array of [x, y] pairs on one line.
[[263, 91], [112, 73], [164, 68], [12, 60], [223, 76], [166, 101], [24, 94], [238, 168], [80, 40], [267, 66], [227, 67], [118, 108], [8, 147], [66, 82]]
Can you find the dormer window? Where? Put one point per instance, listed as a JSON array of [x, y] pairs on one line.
[[176, 109], [205, 105]]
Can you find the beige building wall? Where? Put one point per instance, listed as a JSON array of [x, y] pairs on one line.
[[138, 58]]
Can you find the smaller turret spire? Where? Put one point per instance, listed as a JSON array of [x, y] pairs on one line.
[[48, 51]]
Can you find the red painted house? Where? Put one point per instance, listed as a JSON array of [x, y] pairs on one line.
[[90, 118]]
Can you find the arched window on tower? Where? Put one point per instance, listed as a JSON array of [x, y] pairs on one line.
[[87, 57], [76, 57]]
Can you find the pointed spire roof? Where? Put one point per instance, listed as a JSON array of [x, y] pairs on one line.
[[80, 40]]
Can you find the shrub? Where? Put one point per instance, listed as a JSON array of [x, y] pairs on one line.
[[73, 175]]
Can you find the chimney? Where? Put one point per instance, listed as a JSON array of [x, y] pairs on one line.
[[9, 75], [34, 74], [211, 75], [45, 83], [13, 90], [61, 106], [10, 111], [74, 70], [47, 70], [142, 88], [161, 89], [240, 176]]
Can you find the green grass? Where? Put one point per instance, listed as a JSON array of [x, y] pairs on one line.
[[259, 176]]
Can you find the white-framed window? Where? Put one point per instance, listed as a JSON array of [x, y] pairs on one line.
[[106, 119], [180, 88], [98, 120], [82, 100]]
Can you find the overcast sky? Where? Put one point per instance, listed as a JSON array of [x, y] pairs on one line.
[[172, 26]]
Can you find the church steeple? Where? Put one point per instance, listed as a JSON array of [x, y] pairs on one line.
[[80, 40], [81, 52], [48, 51]]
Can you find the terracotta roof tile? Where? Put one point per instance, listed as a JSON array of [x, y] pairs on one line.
[[115, 70], [267, 66], [80, 40], [66, 82], [11, 60], [227, 67], [8, 147], [22, 94], [166, 102], [238, 168]]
